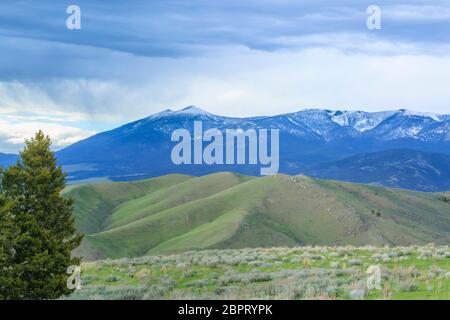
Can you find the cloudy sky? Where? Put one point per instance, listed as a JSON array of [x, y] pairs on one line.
[[233, 57]]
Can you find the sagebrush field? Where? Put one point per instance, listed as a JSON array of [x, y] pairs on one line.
[[319, 272]]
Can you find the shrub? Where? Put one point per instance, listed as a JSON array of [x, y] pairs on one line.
[[86, 279], [334, 265], [357, 294], [112, 279], [407, 286], [355, 262], [198, 283]]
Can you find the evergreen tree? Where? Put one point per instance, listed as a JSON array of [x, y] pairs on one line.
[[37, 231]]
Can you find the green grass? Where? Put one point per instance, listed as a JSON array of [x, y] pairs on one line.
[[319, 272], [172, 196], [205, 235], [176, 213]]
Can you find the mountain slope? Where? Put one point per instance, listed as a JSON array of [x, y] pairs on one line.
[[7, 159], [399, 168], [95, 203], [253, 212], [177, 194], [307, 138]]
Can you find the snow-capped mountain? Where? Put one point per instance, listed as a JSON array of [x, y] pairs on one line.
[[387, 125], [308, 137]]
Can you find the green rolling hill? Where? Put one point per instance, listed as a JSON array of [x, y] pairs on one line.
[[176, 213]]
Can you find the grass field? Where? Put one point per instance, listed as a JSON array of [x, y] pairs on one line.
[[228, 236], [177, 213], [319, 272]]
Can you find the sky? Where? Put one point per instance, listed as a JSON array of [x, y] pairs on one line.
[[131, 59]]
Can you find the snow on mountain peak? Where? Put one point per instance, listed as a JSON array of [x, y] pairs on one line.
[[359, 120], [434, 116], [322, 122], [193, 110], [160, 114], [340, 118]]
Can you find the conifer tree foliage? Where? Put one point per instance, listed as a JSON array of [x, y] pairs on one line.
[[37, 230]]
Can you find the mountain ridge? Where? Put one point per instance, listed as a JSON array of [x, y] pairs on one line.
[[309, 140], [141, 149], [398, 168], [145, 217]]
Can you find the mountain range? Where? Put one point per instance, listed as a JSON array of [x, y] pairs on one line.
[[399, 168], [349, 145], [175, 213], [402, 148]]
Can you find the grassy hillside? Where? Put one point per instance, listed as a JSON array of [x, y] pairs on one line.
[[177, 213]]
